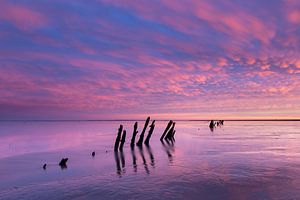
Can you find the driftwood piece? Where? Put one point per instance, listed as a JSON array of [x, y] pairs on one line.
[[166, 130], [134, 134], [150, 133], [118, 138], [123, 140], [140, 142]]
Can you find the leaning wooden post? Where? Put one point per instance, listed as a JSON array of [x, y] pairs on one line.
[[166, 130], [169, 135], [140, 142], [173, 134], [134, 134], [150, 133], [123, 140], [118, 138]]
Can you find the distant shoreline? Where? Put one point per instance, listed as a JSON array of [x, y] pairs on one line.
[[130, 120]]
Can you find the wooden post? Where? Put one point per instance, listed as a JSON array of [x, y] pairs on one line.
[[150, 133], [140, 142], [123, 140], [134, 134], [118, 138], [169, 135], [166, 130], [63, 163], [173, 134]]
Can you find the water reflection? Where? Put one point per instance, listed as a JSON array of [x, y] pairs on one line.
[[133, 159], [242, 160], [118, 165], [169, 148], [120, 159], [149, 150], [141, 151]]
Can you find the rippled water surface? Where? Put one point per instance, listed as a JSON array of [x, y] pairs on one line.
[[240, 160]]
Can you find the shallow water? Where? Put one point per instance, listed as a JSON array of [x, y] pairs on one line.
[[240, 160]]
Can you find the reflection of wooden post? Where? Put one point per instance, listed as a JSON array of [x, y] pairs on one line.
[[123, 140], [169, 135], [166, 130], [150, 133], [133, 159], [118, 138], [140, 142], [117, 159], [134, 134]]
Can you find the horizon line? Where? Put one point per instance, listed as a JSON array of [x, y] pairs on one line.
[[73, 120]]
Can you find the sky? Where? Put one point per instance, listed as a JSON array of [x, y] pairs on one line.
[[170, 59]]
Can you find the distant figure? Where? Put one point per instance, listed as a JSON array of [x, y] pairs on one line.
[[44, 166], [63, 163], [93, 154]]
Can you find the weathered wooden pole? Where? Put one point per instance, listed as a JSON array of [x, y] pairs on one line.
[[173, 134], [134, 134], [118, 138], [123, 140], [140, 142], [122, 159], [211, 124], [170, 132], [166, 130], [150, 133]]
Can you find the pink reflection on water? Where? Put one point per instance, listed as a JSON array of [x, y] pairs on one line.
[[240, 160]]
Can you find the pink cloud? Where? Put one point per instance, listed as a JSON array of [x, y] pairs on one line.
[[22, 17]]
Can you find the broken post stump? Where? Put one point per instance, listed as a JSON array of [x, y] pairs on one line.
[[123, 140], [134, 134], [63, 163], [150, 133], [166, 130], [118, 138], [140, 142]]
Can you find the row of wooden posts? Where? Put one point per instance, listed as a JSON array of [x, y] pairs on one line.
[[168, 134]]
